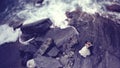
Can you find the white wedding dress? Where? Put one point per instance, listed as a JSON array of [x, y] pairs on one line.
[[84, 51]]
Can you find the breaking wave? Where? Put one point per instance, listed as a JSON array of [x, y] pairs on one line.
[[28, 11], [55, 10], [8, 34]]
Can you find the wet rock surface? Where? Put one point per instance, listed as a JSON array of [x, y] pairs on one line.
[[58, 48], [52, 48], [37, 28]]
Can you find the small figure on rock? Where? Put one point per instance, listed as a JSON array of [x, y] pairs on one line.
[[85, 50]]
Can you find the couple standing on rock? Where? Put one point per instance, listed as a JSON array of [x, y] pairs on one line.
[[85, 51]]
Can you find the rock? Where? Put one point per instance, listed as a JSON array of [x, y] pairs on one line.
[[25, 37], [27, 52], [113, 7], [63, 36], [104, 33], [25, 56], [66, 61], [34, 30], [53, 52], [73, 14], [32, 47], [28, 48], [70, 54], [45, 47], [70, 43], [39, 1], [77, 62], [110, 60], [37, 28], [15, 25], [46, 62], [60, 47]]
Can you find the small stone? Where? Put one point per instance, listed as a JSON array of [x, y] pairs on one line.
[[53, 52], [64, 60]]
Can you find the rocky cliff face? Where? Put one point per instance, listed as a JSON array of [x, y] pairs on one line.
[[59, 48], [104, 33], [65, 43]]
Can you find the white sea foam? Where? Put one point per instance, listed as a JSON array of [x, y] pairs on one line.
[[8, 34], [55, 10], [52, 9]]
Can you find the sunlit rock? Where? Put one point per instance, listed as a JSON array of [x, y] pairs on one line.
[[62, 36]]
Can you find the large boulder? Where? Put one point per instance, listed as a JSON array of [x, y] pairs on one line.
[[104, 33], [37, 28], [61, 37]]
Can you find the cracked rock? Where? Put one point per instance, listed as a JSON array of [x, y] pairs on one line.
[[46, 62], [53, 52], [63, 36]]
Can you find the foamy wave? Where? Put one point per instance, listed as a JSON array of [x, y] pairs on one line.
[[8, 34], [55, 10]]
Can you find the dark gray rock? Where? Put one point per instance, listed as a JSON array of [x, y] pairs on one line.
[[32, 47], [104, 33], [45, 47], [111, 60], [77, 62], [27, 51], [37, 28], [63, 36], [65, 43], [46, 62], [113, 7], [53, 52], [15, 22], [66, 61], [39, 1]]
